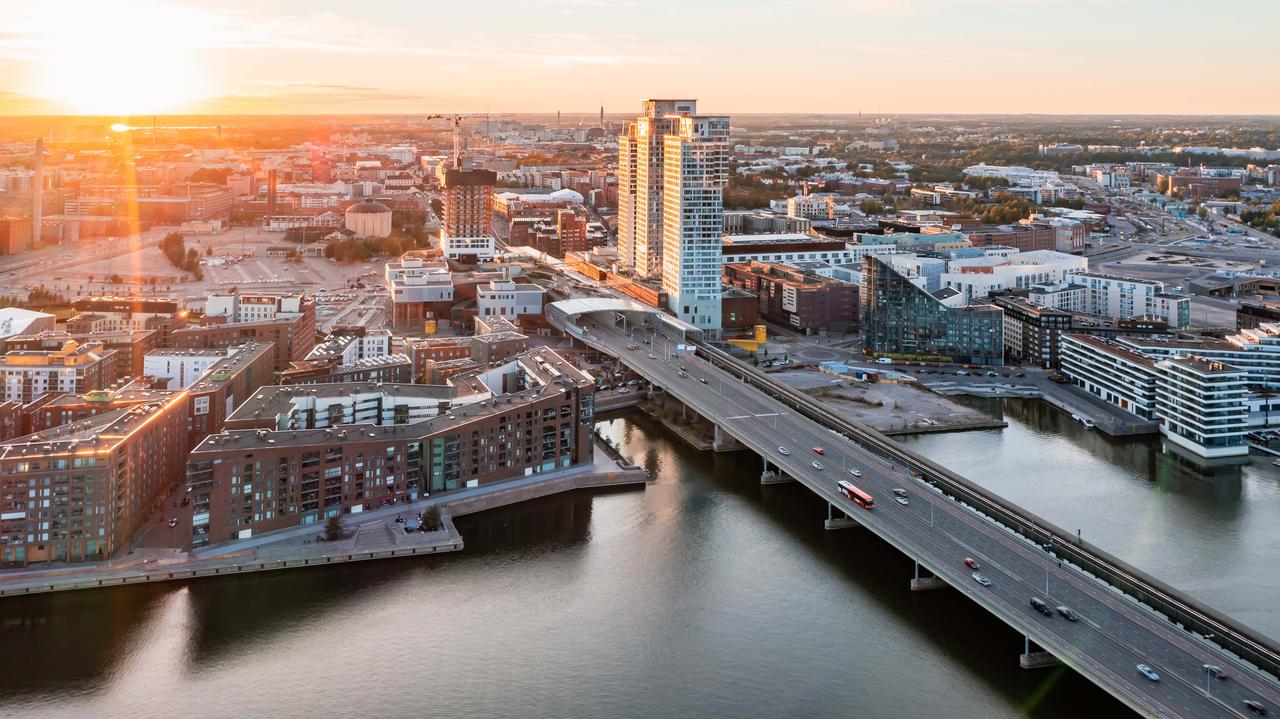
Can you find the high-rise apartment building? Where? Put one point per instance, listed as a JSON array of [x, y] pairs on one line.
[[467, 197], [695, 172], [640, 183]]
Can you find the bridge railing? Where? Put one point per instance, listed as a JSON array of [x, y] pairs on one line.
[[1178, 608]]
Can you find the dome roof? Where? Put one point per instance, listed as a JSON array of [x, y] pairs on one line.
[[367, 207]]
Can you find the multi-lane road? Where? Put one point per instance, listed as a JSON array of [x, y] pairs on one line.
[[1113, 634]]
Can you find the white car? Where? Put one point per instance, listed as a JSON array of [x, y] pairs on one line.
[[856, 472], [1148, 672], [783, 450], [816, 464]]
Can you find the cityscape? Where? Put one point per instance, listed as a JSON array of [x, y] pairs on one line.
[[714, 396]]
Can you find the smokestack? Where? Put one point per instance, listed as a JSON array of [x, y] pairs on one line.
[[37, 195]]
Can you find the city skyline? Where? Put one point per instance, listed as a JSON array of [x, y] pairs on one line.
[[917, 56]]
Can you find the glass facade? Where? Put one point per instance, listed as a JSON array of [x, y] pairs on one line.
[[901, 319]]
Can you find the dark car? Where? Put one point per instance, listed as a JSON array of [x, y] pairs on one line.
[[1039, 605], [173, 522], [1255, 707]]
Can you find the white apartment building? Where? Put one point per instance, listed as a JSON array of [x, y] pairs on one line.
[[1202, 406], [695, 172], [468, 249], [773, 248], [978, 277], [1015, 174], [241, 307], [640, 183], [1123, 297], [182, 367], [1065, 296], [509, 299], [811, 207]]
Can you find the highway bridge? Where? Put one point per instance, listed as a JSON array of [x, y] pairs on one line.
[[1123, 617]]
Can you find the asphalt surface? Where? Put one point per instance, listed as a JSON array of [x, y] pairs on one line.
[[1113, 634]]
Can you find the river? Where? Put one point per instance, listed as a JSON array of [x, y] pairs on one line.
[[703, 594]]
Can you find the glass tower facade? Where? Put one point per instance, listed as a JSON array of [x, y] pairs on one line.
[[901, 319]]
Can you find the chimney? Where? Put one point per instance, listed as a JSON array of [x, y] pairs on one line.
[[37, 195]]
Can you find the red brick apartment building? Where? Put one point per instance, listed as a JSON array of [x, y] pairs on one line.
[[795, 298], [78, 492], [296, 455]]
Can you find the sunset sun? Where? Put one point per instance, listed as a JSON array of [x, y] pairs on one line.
[[116, 60]]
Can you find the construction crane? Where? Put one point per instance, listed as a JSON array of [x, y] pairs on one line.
[[457, 119]]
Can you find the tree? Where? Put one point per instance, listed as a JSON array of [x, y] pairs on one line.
[[333, 528], [431, 520], [115, 279]]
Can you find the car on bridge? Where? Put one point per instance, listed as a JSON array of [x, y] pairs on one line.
[[972, 563], [653, 356], [1067, 614], [1216, 672], [1039, 605], [783, 451], [856, 472], [1255, 707], [633, 347], [817, 465], [819, 451], [1148, 672], [981, 578]]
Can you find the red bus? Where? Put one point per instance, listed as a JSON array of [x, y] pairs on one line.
[[859, 497]]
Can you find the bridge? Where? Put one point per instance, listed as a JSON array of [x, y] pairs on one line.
[[1123, 617]]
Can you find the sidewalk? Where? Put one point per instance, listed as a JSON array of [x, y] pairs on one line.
[[370, 535]]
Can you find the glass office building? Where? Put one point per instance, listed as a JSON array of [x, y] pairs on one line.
[[901, 319]]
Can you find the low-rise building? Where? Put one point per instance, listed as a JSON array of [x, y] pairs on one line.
[[792, 297]]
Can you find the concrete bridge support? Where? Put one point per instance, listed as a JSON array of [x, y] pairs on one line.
[[924, 584], [841, 522], [722, 441], [1035, 660], [773, 476]]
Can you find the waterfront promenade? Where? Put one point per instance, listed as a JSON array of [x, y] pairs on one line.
[[369, 535]]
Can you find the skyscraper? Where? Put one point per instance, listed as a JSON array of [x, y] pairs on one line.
[[695, 170], [640, 183]]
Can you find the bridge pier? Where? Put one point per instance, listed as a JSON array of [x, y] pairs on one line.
[[722, 441], [1035, 660], [768, 476], [924, 584], [842, 522]]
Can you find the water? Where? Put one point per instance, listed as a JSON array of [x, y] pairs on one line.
[[703, 594], [1209, 531]]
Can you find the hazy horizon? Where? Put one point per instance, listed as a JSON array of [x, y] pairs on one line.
[[962, 57]]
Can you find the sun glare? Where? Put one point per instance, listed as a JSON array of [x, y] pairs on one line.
[[118, 59]]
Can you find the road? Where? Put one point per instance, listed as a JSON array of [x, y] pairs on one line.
[[1113, 635]]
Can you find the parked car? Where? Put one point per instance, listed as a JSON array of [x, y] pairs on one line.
[[173, 522], [1148, 672], [992, 374], [623, 390]]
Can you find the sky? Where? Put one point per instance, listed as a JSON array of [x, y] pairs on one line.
[[745, 56]]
